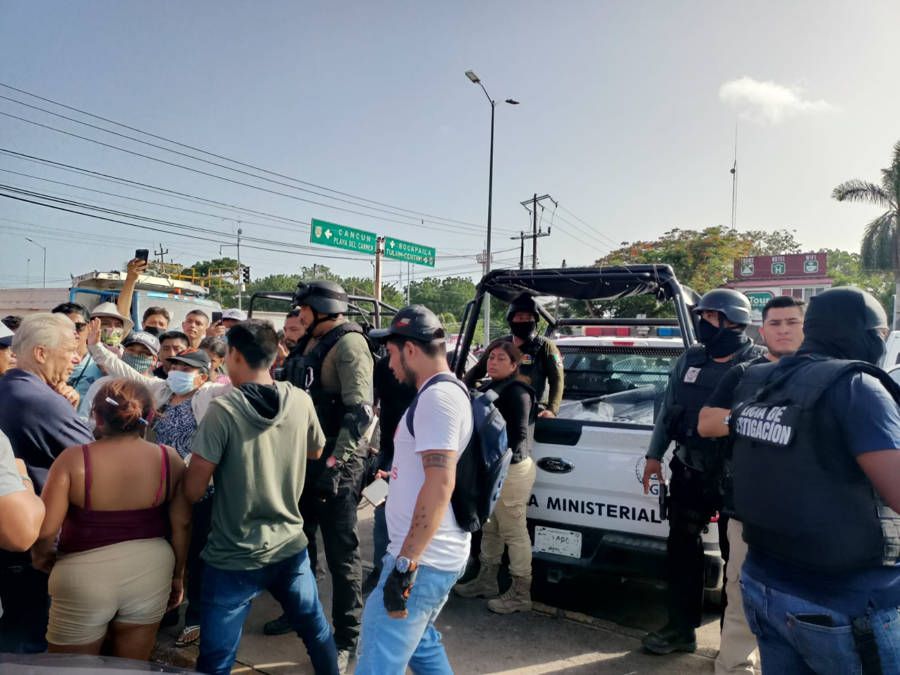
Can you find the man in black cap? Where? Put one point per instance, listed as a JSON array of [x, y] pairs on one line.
[[428, 550], [694, 491], [817, 487], [333, 363], [541, 366]]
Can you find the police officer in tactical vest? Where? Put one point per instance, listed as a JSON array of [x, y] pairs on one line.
[[333, 363], [694, 489], [817, 486], [541, 365]]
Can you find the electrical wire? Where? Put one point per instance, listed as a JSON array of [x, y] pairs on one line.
[[205, 152], [235, 181]]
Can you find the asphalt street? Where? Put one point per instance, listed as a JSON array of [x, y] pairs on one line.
[[579, 627]]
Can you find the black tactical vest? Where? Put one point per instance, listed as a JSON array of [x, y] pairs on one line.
[[305, 371], [800, 494], [691, 391]]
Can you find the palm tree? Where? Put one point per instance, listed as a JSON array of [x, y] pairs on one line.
[[881, 241]]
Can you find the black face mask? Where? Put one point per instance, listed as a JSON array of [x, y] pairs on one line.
[[523, 329], [837, 325], [720, 342]]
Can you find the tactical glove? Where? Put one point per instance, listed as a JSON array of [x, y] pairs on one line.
[[396, 591]]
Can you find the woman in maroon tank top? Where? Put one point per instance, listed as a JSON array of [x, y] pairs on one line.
[[110, 503]]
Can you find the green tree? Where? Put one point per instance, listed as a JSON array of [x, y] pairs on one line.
[[846, 269], [701, 259], [880, 248]]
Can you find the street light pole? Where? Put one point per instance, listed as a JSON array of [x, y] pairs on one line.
[[487, 264], [44, 249]]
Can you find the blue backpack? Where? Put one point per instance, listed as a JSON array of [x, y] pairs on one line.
[[484, 462]]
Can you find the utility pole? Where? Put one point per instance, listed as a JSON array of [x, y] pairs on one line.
[[161, 254], [408, 283], [379, 252], [734, 181], [240, 268], [44, 249], [531, 205]]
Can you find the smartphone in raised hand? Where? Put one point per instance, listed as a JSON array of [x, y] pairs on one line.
[[142, 254]]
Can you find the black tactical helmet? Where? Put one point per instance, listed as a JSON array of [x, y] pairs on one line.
[[415, 322], [324, 297], [847, 305], [733, 304], [523, 303]]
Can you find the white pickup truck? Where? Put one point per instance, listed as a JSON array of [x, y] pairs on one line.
[[587, 511]]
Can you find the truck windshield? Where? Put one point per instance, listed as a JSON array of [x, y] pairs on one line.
[[614, 384]]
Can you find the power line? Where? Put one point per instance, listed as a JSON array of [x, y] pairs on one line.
[[144, 186], [234, 181], [177, 234], [144, 201], [205, 152], [594, 232]]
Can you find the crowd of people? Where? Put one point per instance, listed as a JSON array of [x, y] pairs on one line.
[[155, 465], [144, 468]]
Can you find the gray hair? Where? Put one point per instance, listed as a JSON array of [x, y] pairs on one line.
[[41, 330]]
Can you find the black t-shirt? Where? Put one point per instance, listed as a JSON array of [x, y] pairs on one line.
[[516, 405], [723, 394], [393, 398]]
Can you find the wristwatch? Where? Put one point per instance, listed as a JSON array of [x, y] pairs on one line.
[[403, 564]]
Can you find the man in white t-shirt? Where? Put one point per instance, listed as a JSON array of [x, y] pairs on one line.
[[428, 550]]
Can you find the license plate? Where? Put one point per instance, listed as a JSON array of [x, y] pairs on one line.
[[558, 542]]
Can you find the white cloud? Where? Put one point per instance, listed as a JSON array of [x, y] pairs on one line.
[[769, 102]]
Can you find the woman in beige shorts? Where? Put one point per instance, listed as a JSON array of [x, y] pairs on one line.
[[114, 573]]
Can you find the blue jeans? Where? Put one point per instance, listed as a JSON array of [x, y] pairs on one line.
[[226, 600], [792, 638], [388, 645]]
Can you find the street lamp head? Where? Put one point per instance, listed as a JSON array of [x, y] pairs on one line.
[[512, 101], [472, 76]]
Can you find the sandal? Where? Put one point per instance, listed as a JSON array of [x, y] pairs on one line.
[[189, 635]]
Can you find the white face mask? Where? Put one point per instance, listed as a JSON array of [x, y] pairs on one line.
[[181, 382]]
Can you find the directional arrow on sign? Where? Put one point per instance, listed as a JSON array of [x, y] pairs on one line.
[[328, 234]]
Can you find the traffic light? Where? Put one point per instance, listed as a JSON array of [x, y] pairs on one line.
[[246, 274]]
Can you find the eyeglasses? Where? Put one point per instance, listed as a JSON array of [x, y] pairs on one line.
[[79, 327]]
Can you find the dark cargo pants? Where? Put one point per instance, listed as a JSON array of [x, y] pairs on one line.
[[693, 500], [336, 516]]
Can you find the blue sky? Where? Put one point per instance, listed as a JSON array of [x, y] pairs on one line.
[[626, 118]]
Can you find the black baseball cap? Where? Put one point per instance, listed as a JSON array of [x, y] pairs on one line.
[[415, 322], [195, 358]]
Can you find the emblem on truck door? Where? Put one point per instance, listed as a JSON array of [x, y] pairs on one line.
[[555, 465]]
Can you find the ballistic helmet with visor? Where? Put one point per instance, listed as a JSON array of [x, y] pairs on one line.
[[324, 297], [731, 303], [415, 322], [523, 303]]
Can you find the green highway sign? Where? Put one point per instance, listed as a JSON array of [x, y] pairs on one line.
[[409, 252], [341, 236], [758, 299]]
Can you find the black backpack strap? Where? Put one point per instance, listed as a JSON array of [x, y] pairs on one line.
[[440, 377]]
